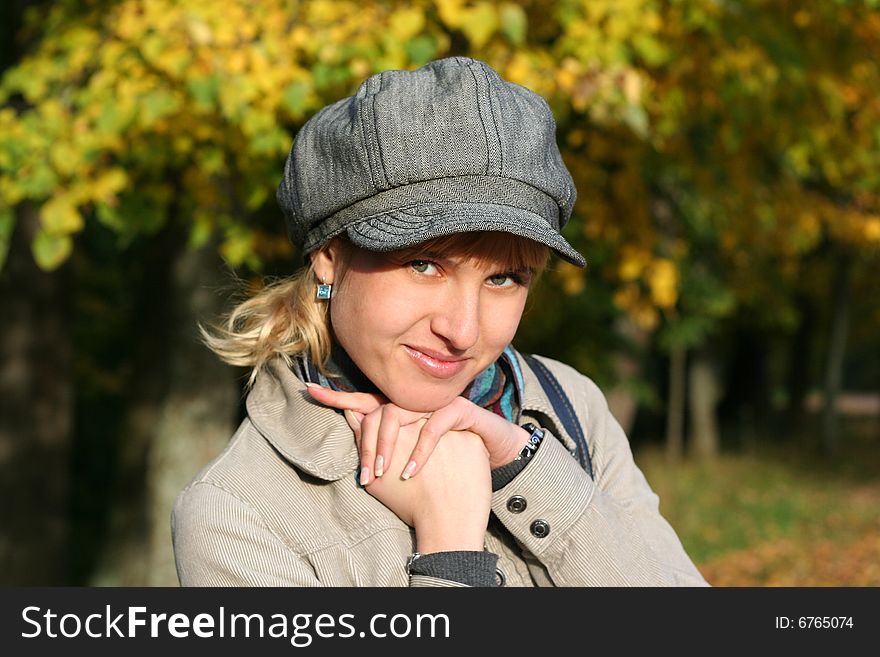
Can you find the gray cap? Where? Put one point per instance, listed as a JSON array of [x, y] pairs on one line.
[[414, 155]]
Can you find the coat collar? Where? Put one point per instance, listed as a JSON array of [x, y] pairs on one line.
[[312, 437], [319, 441]]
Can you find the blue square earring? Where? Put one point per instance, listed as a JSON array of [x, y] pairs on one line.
[[324, 290]]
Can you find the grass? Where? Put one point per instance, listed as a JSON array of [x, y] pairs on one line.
[[776, 517]]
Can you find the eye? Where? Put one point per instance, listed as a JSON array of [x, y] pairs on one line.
[[423, 266], [508, 279]]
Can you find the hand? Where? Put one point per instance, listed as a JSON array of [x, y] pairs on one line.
[[382, 422], [448, 504]]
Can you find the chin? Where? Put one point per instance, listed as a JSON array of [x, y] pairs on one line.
[[421, 401]]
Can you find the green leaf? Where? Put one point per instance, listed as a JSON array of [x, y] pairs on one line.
[[200, 231], [421, 49], [513, 23], [653, 51], [111, 120], [294, 97], [238, 246], [158, 104], [204, 91], [637, 119], [110, 216], [257, 197], [59, 216], [37, 183], [50, 251], [212, 160]]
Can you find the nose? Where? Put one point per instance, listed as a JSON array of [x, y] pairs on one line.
[[456, 318]]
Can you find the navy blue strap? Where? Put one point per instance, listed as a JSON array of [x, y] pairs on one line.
[[562, 405]]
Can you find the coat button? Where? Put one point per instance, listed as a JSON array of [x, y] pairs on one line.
[[516, 504], [540, 528], [500, 580]]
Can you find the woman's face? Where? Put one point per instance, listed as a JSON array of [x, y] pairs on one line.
[[421, 328]]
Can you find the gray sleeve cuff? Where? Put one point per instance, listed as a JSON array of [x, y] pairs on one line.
[[465, 566], [503, 475]]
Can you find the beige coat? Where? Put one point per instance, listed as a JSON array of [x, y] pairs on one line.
[[281, 507]]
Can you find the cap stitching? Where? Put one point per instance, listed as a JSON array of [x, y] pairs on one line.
[[380, 165], [363, 116], [480, 114], [494, 121]]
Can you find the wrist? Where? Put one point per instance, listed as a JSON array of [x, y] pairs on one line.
[[440, 532], [429, 541], [519, 437]]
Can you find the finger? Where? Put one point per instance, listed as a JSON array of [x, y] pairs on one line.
[[363, 402], [501, 439], [386, 438], [367, 447], [354, 420], [453, 416], [429, 436]]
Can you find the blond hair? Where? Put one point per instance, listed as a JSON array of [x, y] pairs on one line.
[[285, 319]]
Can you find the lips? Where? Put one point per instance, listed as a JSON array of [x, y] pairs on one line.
[[434, 363]]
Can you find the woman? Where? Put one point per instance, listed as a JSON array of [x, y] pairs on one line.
[[394, 437]]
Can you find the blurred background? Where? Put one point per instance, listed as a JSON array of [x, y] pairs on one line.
[[727, 160]]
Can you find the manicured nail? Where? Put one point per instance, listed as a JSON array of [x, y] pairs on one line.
[[365, 476], [408, 470], [380, 466], [312, 385]]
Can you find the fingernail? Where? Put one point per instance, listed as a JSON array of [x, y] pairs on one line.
[[408, 470], [380, 466], [365, 476], [312, 385]]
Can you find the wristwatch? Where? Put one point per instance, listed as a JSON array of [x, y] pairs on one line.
[[528, 451]]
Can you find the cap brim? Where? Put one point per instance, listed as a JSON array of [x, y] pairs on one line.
[[402, 228]]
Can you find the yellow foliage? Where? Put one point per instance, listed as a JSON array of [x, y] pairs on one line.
[[567, 75], [59, 216], [872, 229], [108, 184], [663, 281], [208, 92], [633, 261], [479, 23], [64, 157], [406, 23], [50, 251], [571, 278], [627, 297], [451, 12]]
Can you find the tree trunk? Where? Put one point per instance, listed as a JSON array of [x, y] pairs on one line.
[[704, 392], [621, 401], [200, 410], [799, 376], [36, 412], [675, 406], [836, 351], [123, 560]]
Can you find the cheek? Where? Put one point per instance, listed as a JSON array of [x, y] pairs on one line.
[[503, 320], [370, 317]]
